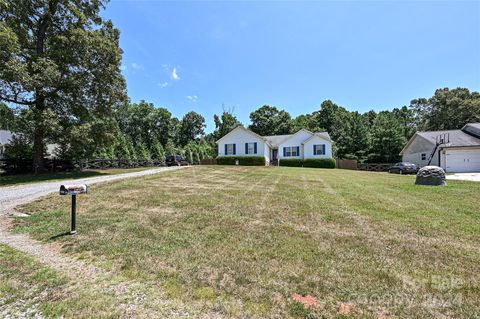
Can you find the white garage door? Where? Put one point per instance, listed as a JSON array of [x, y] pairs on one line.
[[460, 161]]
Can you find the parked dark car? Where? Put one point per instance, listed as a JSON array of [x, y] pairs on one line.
[[404, 168], [176, 161]]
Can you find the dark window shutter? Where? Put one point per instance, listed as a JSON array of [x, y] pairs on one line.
[[323, 149], [314, 149], [234, 149], [246, 148], [298, 150], [255, 148], [284, 151], [225, 150]]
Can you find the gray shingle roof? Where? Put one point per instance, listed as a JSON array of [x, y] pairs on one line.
[[458, 138], [472, 129], [275, 140], [5, 137]]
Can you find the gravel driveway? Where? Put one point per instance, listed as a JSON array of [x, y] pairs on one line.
[[11, 196]]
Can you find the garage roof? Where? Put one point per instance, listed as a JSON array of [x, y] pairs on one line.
[[458, 138], [472, 129]]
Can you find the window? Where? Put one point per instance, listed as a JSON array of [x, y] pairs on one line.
[[291, 151], [319, 149], [229, 149], [424, 156], [250, 148]]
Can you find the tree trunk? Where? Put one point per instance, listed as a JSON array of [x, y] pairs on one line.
[[38, 136], [39, 132]]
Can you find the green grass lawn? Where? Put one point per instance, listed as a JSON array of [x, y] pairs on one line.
[[240, 241], [12, 180], [29, 289]]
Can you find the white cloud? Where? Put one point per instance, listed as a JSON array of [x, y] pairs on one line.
[[136, 66], [192, 98], [123, 67], [163, 84], [175, 75]]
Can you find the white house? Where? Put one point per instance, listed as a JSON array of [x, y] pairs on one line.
[[303, 144], [455, 151], [5, 138]]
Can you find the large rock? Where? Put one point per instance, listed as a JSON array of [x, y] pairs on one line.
[[431, 175]]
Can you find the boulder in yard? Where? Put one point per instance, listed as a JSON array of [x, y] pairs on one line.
[[431, 175]]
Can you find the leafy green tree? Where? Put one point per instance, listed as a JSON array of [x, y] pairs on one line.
[[306, 121], [406, 117], [268, 120], [188, 154], [352, 135], [20, 147], [191, 127], [61, 60], [224, 124], [142, 151], [387, 138], [157, 151], [7, 118], [170, 149], [131, 149], [447, 109], [328, 115], [196, 156], [122, 149]]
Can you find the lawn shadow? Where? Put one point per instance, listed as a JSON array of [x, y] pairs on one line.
[[60, 235]]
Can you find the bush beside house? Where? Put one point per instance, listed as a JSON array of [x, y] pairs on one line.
[[308, 162], [242, 160], [291, 162], [319, 162]]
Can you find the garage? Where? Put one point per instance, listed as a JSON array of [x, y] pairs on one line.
[[462, 160]]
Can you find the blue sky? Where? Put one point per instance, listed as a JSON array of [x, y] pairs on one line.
[[190, 55]]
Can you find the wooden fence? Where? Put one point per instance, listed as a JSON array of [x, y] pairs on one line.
[[208, 161], [347, 164], [25, 166], [117, 163], [374, 167]]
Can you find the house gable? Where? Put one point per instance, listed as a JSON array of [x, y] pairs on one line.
[[309, 144], [237, 141]]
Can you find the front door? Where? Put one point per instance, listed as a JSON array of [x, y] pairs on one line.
[[274, 154]]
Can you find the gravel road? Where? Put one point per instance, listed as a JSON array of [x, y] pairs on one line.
[[11, 196]]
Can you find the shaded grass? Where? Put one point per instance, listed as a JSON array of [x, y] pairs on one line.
[[240, 241], [11, 180], [29, 289]]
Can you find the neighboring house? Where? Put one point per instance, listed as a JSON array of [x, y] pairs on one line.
[[303, 144], [5, 138], [455, 151]]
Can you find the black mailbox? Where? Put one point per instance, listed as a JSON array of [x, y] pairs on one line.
[[73, 190]]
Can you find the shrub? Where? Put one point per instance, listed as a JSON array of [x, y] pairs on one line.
[[242, 160], [291, 162], [319, 162]]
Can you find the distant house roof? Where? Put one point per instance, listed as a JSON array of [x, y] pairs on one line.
[[5, 137], [469, 135]]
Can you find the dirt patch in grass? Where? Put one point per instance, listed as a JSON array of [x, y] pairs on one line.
[[240, 241]]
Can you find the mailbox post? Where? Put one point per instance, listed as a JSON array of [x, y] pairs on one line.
[[73, 190]]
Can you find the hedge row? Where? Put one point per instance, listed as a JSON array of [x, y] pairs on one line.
[[308, 162], [242, 160]]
